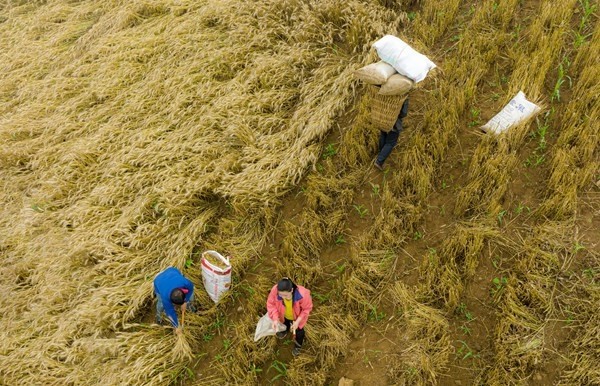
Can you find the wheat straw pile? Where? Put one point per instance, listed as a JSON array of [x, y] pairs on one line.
[[132, 133]]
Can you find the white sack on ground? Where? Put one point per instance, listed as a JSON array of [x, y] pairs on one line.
[[403, 58], [375, 73], [216, 274], [518, 110], [396, 85], [265, 328]]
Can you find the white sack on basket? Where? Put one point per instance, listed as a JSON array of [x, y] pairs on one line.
[[518, 110], [375, 73], [216, 274], [265, 327], [403, 58]]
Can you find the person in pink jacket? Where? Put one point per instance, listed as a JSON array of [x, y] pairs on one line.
[[290, 304]]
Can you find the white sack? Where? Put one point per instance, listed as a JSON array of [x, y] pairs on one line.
[[396, 85], [216, 278], [403, 58], [518, 110], [375, 73], [264, 327]]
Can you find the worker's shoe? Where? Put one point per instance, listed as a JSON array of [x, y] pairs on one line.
[[281, 334], [378, 165], [296, 351]]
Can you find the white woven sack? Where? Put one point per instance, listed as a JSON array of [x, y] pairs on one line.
[[403, 58], [265, 327], [217, 279], [375, 73], [518, 110]]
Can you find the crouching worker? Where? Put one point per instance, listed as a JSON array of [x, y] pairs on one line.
[[172, 288], [290, 304]]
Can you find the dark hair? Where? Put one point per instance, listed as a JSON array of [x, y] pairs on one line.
[[177, 296], [286, 285]]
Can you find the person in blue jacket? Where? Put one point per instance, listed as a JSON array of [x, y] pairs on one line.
[[171, 288]]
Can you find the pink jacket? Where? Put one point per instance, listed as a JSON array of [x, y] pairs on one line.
[[302, 305]]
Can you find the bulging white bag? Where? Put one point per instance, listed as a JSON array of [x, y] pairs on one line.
[[265, 327], [403, 58], [518, 110], [375, 73], [216, 274]]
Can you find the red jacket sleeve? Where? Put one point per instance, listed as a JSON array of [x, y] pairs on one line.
[[306, 306], [272, 306]]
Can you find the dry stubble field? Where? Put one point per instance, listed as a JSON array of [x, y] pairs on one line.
[[134, 135]]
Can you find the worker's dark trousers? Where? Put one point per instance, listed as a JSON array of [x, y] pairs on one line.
[[387, 141], [299, 332]]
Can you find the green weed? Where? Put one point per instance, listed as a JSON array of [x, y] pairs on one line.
[[340, 240], [361, 210], [466, 350], [280, 368], [375, 190], [498, 284], [329, 151], [475, 117]]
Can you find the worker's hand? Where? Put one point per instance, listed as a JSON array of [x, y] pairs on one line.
[[178, 330], [274, 325], [295, 325]]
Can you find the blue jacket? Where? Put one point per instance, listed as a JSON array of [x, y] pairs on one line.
[[167, 281]]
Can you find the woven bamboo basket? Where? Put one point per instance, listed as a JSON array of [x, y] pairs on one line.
[[385, 108]]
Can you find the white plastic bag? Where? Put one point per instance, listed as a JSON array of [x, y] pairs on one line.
[[216, 274], [403, 58], [518, 110], [375, 73], [265, 327]]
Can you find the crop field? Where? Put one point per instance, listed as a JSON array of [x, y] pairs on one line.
[[134, 135]]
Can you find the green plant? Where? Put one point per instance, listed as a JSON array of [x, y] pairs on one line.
[[474, 117], [329, 151], [466, 350], [340, 240], [578, 247], [189, 262], [280, 368], [520, 207], [562, 76], [580, 35], [501, 215], [375, 315], [341, 268], [255, 369], [411, 16], [375, 189], [465, 329], [418, 235], [226, 344], [590, 273], [498, 284], [361, 210]]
